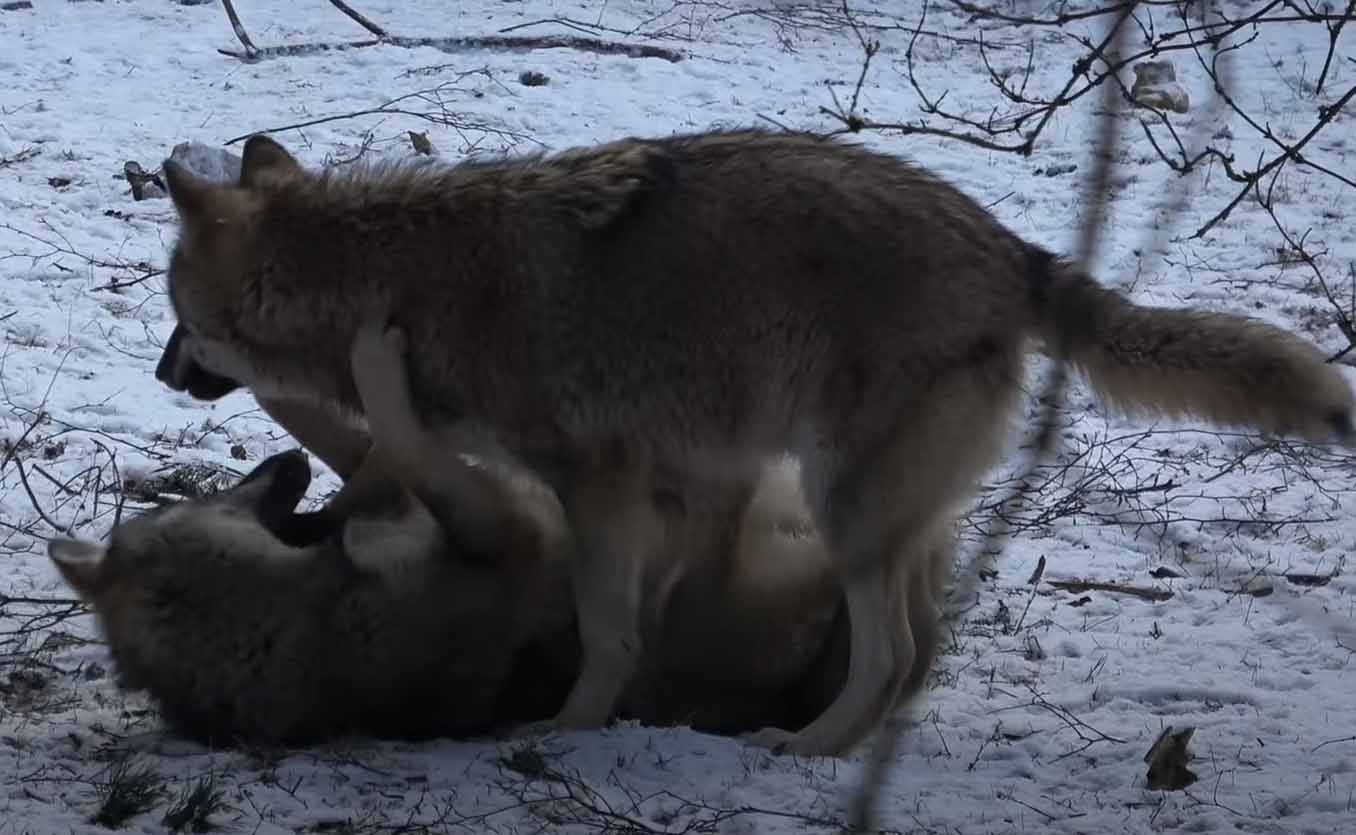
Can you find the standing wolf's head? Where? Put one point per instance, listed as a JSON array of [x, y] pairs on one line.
[[205, 268], [180, 370], [217, 277]]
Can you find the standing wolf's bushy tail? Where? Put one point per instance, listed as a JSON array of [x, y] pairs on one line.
[[1227, 369]]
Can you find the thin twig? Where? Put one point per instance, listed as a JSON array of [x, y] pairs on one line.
[[1345, 322], [359, 18], [13, 451], [438, 115], [1080, 586], [251, 51], [1288, 153], [1332, 742], [23, 479]]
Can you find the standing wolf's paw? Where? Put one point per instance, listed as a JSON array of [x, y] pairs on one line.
[[531, 730], [562, 722], [779, 742]]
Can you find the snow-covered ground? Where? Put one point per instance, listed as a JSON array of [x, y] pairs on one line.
[[1044, 702]]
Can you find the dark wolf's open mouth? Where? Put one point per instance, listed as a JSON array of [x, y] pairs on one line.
[[289, 474]]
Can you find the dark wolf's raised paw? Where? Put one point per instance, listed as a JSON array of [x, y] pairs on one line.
[[302, 530]]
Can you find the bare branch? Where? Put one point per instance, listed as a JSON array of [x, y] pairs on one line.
[[1334, 32], [37, 507], [1288, 153], [12, 451], [1297, 251], [359, 18], [141, 271], [251, 51], [1080, 586], [446, 44], [22, 156], [439, 114]]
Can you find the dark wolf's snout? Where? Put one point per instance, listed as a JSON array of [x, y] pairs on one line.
[[276, 486], [177, 370]]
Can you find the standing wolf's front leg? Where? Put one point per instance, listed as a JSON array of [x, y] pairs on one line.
[[616, 527], [609, 510]]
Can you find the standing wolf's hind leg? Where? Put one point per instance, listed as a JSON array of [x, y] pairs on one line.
[[880, 647]]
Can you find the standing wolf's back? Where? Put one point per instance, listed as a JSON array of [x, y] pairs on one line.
[[757, 276], [717, 287], [767, 274]]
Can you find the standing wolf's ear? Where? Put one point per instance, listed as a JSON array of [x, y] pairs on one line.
[[264, 160], [80, 561], [192, 195], [202, 203]]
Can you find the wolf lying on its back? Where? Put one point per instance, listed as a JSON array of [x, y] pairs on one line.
[[389, 631], [665, 311], [241, 637]]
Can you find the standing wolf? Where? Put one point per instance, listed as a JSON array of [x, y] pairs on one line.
[[663, 314]]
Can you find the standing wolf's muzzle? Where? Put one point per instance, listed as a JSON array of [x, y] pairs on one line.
[[178, 370]]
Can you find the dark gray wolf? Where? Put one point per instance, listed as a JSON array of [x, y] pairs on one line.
[[388, 630]]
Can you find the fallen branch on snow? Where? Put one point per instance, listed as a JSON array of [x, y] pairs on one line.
[[444, 44], [1080, 586], [440, 114]]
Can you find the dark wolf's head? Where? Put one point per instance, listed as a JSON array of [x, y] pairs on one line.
[[165, 586], [381, 628], [236, 521]]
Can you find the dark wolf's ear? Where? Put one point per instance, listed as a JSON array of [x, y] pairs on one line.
[[81, 562], [264, 160]]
